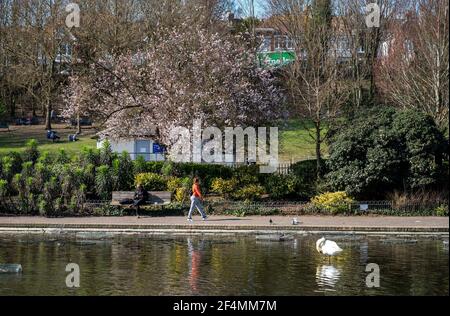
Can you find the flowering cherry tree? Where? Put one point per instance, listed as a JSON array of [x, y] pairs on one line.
[[189, 74]]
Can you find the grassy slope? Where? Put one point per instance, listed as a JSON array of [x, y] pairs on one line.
[[19, 135], [295, 142]]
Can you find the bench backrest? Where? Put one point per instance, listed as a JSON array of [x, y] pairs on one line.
[[154, 196]]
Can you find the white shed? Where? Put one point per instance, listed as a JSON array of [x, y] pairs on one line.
[[150, 150]]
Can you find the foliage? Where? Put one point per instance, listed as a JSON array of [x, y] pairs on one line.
[[31, 152], [140, 165], [382, 150], [441, 210], [251, 192], [224, 187], [106, 154], [179, 187], [167, 168], [206, 172], [333, 202], [103, 182], [151, 181], [123, 172], [11, 165], [244, 208], [282, 186]]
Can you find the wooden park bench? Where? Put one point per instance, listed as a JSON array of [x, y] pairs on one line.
[[154, 198]]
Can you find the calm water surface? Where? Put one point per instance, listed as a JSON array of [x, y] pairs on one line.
[[207, 265]]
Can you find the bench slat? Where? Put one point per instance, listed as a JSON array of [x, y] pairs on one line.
[[155, 197]]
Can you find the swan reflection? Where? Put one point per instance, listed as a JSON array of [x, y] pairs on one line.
[[327, 276]]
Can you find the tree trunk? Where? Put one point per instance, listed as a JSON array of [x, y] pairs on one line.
[[12, 103], [78, 123], [318, 152], [48, 115]]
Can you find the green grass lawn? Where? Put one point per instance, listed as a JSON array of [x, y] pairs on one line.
[[16, 139], [295, 141]]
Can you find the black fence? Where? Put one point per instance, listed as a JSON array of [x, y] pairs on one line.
[[243, 208]]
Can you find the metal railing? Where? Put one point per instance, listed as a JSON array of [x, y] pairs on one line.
[[306, 207], [240, 208]]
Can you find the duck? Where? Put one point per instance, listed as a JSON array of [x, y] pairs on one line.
[[327, 247]]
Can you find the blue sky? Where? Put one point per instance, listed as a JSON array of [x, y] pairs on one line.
[[259, 7]]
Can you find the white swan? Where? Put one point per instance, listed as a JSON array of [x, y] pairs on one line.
[[327, 247]]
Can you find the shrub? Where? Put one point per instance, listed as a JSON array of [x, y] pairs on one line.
[[250, 192], [31, 152], [11, 165], [181, 194], [77, 200], [151, 181], [62, 157], [123, 172], [179, 187], [206, 172], [27, 197], [282, 186], [245, 208], [224, 187], [106, 154], [3, 188], [139, 165], [50, 202], [154, 166], [441, 210], [108, 210], [45, 158], [41, 174], [333, 202], [103, 182], [90, 156], [4, 191], [167, 168], [174, 183], [384, 149], [247, 175]]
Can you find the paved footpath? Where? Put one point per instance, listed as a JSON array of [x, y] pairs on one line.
[[307, 223]]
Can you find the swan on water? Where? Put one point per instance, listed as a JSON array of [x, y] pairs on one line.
[[327, 247]]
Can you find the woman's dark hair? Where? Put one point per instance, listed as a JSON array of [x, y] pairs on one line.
[[196, 179]]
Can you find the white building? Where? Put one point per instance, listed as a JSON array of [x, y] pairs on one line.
[[147, 148]]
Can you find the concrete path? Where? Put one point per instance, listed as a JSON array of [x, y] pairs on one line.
[[307, 223]]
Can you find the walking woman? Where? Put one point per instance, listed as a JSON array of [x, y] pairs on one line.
[[196, 200]]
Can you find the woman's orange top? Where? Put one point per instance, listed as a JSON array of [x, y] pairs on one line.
[[196, 190]]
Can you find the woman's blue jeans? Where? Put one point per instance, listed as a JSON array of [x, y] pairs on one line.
[[196, 203]]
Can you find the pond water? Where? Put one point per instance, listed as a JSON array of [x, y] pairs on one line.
[[234, 265]]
